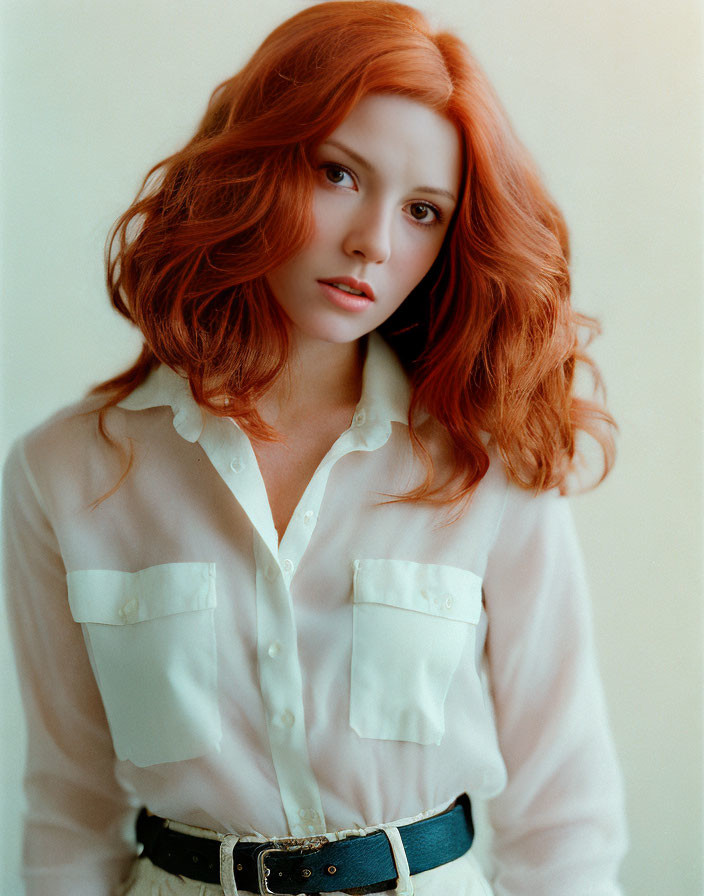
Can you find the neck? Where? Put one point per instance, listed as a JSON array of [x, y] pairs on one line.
[[320, 378]]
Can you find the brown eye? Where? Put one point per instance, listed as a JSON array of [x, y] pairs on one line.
[[334, 174], [424, 213], [420, 211]]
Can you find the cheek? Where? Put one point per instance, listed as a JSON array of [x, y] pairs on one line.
[[418, 259], [327, 214]]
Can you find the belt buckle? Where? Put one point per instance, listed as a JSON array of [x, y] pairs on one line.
[[302, 844]]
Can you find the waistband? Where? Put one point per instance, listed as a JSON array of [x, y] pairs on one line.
[[358, 861]]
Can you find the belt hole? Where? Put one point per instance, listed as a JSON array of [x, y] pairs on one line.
[[332, 869], [194, 859], [306, 872], [239, 866]]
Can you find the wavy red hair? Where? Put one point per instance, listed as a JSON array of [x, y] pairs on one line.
[[489, 339]]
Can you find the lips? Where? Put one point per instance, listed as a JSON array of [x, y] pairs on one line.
[[360, 287]]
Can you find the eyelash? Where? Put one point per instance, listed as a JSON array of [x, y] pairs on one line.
[[438, 219]]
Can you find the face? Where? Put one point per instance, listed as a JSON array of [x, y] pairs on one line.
[[387, 181]]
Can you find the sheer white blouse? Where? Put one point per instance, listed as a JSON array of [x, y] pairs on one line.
[[381, 660]]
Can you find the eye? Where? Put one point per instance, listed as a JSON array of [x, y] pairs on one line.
[[425, 214], [336, 174]]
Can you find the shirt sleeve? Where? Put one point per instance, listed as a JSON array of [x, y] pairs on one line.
[[76, 812], [559, 825]]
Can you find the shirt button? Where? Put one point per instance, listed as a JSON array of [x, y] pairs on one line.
[[287, 718], [288, 566], [359, 417], [308, 517], [274, 649], [448, 602], [308, 814], [271, 572], [236, 464]]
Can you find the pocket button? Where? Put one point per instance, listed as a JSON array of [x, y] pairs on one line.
[[129, 612]]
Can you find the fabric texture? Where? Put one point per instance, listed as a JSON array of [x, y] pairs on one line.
[[381, 659], [463, 877]]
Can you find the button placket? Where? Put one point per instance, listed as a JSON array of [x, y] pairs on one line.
[[281, 684]]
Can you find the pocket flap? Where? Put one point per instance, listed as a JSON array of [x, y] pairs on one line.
[[113, 597], [445, 591]]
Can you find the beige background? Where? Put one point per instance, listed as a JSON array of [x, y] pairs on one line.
[[607, 95]]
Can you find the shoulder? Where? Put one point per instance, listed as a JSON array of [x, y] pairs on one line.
[[535, 540], [32, 456], [66, 460], [67, 433], [518, 523]]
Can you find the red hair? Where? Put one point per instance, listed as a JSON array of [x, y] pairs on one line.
[[488, 339]]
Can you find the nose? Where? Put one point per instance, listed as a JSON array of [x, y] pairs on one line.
[[368, 235]]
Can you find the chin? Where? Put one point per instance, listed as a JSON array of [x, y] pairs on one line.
[[337, 335]]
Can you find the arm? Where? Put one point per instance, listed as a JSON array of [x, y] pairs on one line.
[[73, 843], [559, 828]]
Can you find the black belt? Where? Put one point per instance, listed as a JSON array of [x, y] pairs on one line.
[[357, 864]]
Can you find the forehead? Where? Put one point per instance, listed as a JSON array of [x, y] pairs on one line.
[[404, 139]]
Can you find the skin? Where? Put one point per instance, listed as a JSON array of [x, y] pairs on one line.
[[378, 218], [387, 179]]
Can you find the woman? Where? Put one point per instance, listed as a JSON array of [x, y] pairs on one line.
[[300, 581]]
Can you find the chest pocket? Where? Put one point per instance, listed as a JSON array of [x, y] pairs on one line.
[[410, 625], [151, 639]]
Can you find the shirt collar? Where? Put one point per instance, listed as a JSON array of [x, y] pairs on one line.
[[386, 393]]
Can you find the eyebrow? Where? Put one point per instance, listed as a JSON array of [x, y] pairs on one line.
[[362, 162]]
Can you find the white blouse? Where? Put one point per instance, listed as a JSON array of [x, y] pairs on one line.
[[381, 660]]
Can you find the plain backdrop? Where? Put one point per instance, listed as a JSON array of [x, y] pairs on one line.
[[607, 96]]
